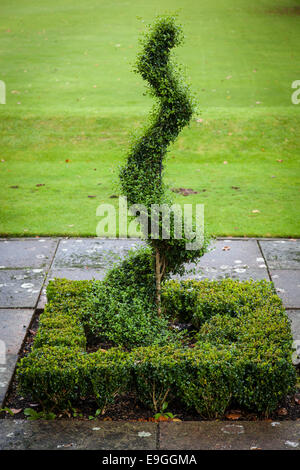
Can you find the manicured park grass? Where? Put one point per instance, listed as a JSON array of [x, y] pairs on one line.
[[72, 103]]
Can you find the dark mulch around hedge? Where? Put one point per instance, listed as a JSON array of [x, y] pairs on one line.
[[128, 407]]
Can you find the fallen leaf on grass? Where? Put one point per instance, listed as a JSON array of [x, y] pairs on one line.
[[14, 187], [235, 187], [255, 211], [184, 191], [40, 184]]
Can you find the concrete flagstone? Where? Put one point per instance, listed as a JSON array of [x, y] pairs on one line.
[[86, 259], [20, 288], [195, 435], [281, 254], [23, 253], [91, 252], [287, 284], [7, 368], [294, 316], [76, 435], [223, 435], [229, 258], [13, 327]]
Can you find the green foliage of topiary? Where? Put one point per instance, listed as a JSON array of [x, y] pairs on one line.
[[241, 354], [195, 301], [156, 371], [125, 318], [106, 375], [208, 380], [141, 176], [51, 375]]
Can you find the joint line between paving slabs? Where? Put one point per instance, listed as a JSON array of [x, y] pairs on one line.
[[263, 256], [158, 437], [46, 275]]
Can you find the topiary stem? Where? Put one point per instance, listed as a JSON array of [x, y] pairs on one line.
[[158, 281]]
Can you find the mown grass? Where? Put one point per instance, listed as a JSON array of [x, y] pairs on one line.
[[72, 102]]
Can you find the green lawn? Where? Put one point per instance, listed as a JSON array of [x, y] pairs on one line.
[[72, 102]]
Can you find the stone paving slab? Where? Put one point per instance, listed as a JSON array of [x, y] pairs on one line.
[[13, 327], [91, 252], [76, 435], [6, 372], [222, 435], [287, 284], [196, 435], [20, 288], [281, 254], [230, 252], [237, 259], [20, 253], [294, 316]]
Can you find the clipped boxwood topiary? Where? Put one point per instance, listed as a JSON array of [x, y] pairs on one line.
[[142, 175], [240, 351], [237, 346]]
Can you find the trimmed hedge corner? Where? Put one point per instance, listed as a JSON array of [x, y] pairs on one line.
[[241, 351]]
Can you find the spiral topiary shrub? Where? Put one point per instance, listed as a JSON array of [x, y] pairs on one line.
[[236, 343], [141, 177]]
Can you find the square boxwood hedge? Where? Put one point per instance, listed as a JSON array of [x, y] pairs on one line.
[[241, 354]]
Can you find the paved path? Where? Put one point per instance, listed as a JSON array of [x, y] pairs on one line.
[[26, 265], [194, 435]]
